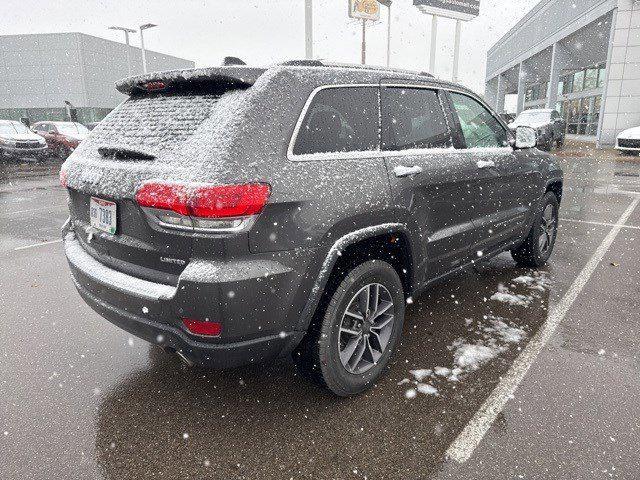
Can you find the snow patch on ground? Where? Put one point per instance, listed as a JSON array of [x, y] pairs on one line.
[[497, 334], [506, 296]]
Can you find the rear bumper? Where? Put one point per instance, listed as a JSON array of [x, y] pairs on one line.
[[152, 311]]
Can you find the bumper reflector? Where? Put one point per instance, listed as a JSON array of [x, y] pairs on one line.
[[202, 327]]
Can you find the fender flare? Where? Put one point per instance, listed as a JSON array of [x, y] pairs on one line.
[[330, 260]]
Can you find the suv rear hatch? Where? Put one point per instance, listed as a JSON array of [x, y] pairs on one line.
[[165, 131]]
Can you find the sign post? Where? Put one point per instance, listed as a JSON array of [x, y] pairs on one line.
[[364, 10], [460, 11]]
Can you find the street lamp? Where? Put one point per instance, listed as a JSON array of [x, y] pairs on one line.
[[308, 29], [144, 53], [126, 31], [387, 3]]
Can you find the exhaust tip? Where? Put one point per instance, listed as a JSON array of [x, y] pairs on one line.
[[184, 358]]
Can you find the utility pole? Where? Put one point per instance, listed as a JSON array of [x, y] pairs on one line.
[[434, 38], [387, 3], [126, 31], [456, 50], [364, 41], [308, 29]]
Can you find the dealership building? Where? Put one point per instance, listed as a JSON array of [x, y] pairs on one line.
[[40, 72], [580, 57]]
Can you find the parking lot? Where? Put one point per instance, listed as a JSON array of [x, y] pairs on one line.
[[502, 372]]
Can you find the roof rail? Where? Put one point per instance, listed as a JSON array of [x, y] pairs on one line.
[[324, 63]]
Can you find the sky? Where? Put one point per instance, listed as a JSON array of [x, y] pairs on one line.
[[269, 31]]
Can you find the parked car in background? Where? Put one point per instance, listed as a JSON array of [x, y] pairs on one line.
[[508, 117], [91, 125], [549, 126], [628, 141], [226, 241], [61, 137], [16, 140]]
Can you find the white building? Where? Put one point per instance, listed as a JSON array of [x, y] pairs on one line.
[[39, 72], [581, 57]]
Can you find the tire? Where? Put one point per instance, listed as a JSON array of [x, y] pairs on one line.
[[560, 143], [536, 250], [319, 358]]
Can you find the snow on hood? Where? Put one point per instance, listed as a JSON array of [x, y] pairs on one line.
[[630, 133], [523, 123], [21, 136]]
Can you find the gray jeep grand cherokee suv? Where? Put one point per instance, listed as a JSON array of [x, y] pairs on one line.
[[237, 214]]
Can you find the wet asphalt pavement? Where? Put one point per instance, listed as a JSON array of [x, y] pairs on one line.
[[80, 398]]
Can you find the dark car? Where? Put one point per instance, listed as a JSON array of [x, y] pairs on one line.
[[61, 137], [549, 126], [16, 140], [256, 213]]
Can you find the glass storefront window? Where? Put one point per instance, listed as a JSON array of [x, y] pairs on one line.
[[567, 84], [528, 96], [582, 115], [591, 78], [578, 81], [602, 71]]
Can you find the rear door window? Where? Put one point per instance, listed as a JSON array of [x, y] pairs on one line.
[[413, 118], [479, 127], [340, 120]]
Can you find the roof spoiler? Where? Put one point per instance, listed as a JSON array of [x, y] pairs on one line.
[[234, 76]]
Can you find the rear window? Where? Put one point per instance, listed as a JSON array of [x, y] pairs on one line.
[[413, 118], [342, 119], [159, 122]]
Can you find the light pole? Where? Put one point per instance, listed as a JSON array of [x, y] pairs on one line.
[[387, 3], [308, 29], [144, 53], [126, 31]]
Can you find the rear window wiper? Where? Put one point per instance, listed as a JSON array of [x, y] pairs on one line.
[[119, 153]]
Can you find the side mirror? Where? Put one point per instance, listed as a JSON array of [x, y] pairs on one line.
[[525, 137]]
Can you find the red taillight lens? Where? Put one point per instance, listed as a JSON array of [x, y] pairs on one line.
[[205, 201], [200, 327], [165, 196], [229, 200], [63, 178]]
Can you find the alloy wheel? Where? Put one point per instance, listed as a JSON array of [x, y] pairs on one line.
[[365, 328], [549, 228]]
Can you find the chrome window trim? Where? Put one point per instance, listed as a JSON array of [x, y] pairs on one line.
[[375, 154]]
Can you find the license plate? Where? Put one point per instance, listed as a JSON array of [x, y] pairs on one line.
[[103, 215]]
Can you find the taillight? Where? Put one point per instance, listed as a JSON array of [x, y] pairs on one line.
[[206, 207], [203, 327], [229, 200], [63, 178]]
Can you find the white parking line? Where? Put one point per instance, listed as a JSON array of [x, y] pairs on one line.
[[38, 244], [463, 446], [599, 223]]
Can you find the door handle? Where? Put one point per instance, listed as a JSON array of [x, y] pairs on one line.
[[486, 163], [402, 171]]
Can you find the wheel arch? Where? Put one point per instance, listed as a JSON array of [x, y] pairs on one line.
[[389, 242]]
